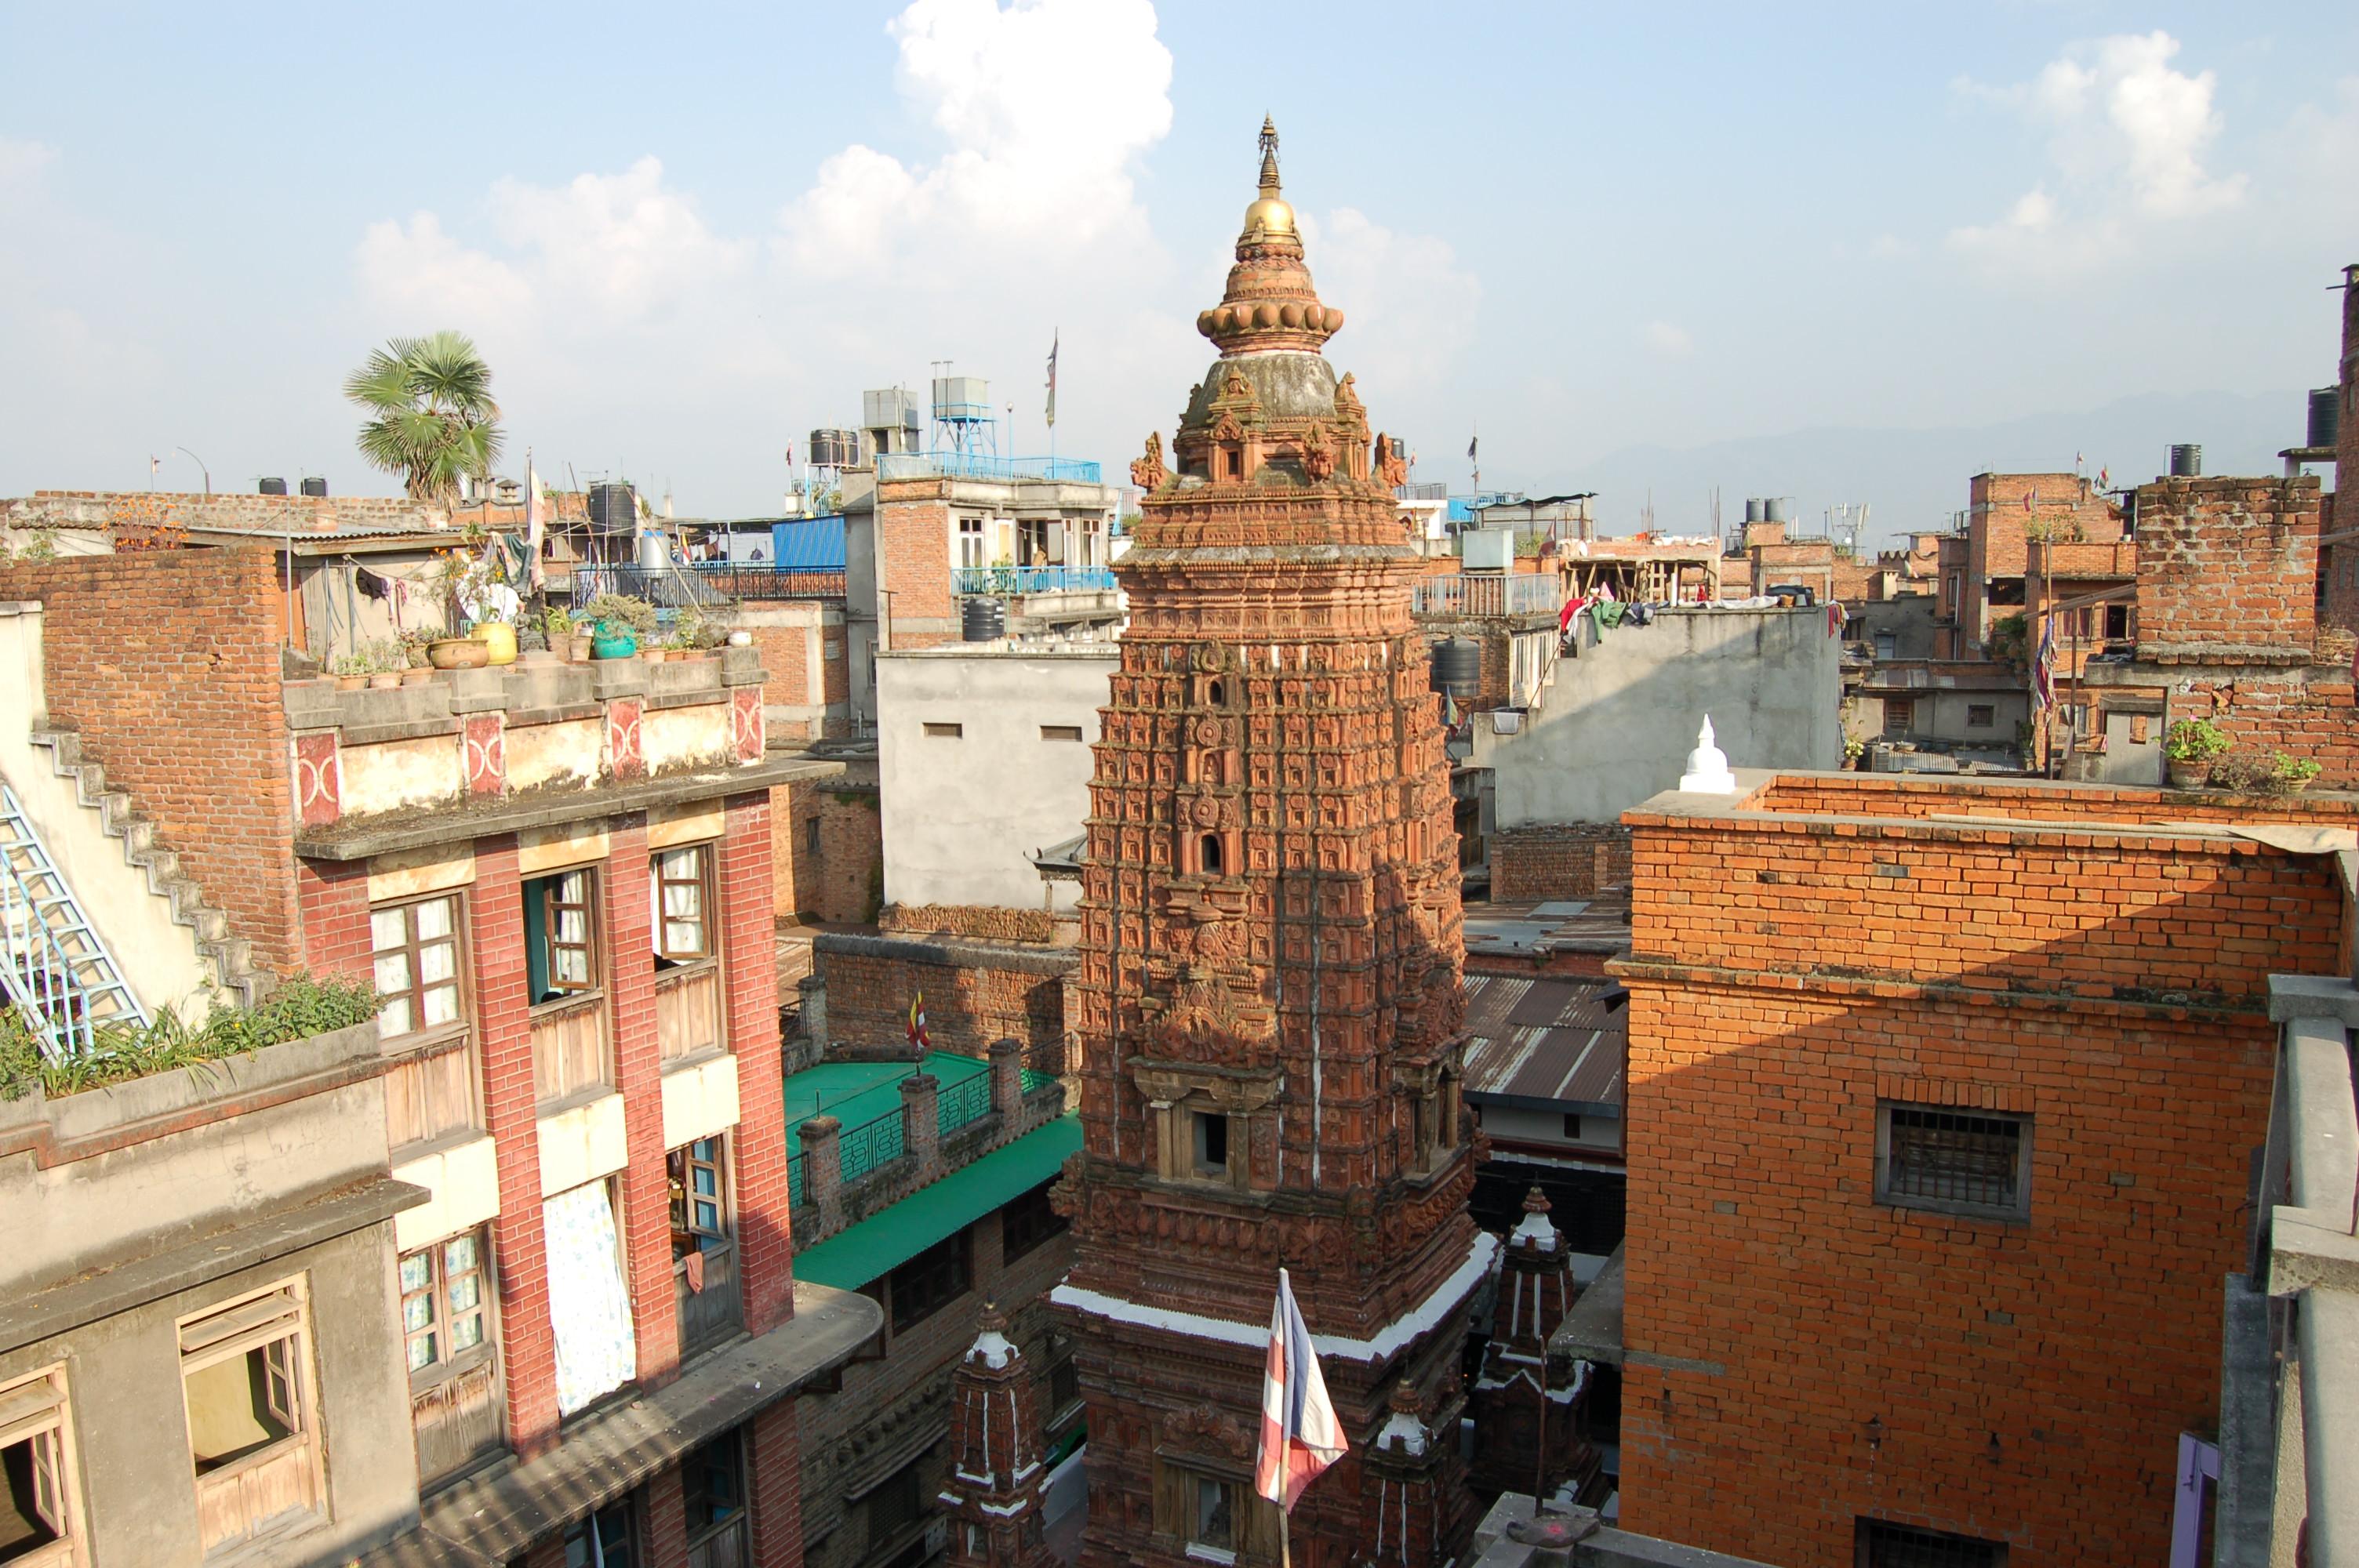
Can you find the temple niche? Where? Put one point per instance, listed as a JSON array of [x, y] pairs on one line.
[[1268, 1000]]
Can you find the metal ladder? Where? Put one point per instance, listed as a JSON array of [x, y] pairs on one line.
[[57, 973]]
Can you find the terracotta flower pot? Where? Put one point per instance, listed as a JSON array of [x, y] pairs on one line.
[[351, 683], [385, 680], [580, 647], [458, 653], [418, 674], [2188, 774]]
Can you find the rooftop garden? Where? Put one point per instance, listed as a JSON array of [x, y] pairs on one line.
[[301, 1006]]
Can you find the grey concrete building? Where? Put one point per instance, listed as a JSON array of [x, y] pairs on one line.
[[983, 760], [199, 1356]]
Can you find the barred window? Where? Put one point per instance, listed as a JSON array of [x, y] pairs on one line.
[[1884, 1545], [1960, 1162]]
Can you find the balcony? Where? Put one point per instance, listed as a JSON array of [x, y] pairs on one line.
[[1014, 582], [974, 465], [1474, 594], [1422, 490]]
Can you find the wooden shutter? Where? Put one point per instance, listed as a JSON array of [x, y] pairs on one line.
[[278, 1380], [238, 1329]]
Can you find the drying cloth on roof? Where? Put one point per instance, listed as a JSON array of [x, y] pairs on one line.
[[1608, 613], [2296, 840]]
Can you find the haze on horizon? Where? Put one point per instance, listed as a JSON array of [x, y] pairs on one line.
[[1627, 251]]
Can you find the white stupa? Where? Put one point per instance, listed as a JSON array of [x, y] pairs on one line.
[[1706, 767]]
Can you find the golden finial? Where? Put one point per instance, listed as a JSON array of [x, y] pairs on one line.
[[1269, 215], [1269, 157]]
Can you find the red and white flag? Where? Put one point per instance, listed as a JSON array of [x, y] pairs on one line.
[[1299, 1434], [917, 1035]]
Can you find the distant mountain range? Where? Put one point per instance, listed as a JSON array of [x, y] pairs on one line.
[[1916, 479]]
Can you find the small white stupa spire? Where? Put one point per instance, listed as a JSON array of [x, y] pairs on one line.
[[1706, 767]]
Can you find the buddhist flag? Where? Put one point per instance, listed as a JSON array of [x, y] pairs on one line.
[[1300, 1434], [1471, 446], [917, 1036], [2043, 667], [535, 521], [1053, 339]]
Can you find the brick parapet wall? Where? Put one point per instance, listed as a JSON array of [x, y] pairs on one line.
[[913, 521], [987, 923], [1897, 794], [843, 881], [278, 514], [2226, 564], [1790, 973], [168, 664], [1571, 861], [975, 993]]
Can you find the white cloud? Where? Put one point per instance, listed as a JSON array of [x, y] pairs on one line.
[[1667, 338], [1408, 307], [2127, 134], [22, 163], [1890, 247]]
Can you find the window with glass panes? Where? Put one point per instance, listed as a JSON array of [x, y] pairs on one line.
[[930, 1281], [561, 933], [416, 950], [445, 1309], [683, 891], [700, 1213], [712, 1480], [605, 1540]]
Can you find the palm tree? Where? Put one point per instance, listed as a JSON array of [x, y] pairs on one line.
[[431, 417]]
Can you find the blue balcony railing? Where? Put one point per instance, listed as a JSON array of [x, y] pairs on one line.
[[972, 465], [1005, 582]]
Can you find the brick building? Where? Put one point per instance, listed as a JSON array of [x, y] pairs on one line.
[[1942, 1098], [2005, 512], [557, 877], [1268, 1002]]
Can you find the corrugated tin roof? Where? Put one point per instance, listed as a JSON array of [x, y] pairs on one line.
[[812, 544], [1546, 1038]]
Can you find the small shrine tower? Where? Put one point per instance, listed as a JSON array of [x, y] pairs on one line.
[[992, 1497], [1514, 1448]]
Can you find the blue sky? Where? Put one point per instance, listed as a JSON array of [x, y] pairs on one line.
[[684, 240]]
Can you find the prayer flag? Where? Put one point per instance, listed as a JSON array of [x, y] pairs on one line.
[[1300, 1434]]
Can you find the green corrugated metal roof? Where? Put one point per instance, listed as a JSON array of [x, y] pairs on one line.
[[876, 1244], [856, 1093]]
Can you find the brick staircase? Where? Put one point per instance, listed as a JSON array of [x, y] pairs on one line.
[[230, 956]]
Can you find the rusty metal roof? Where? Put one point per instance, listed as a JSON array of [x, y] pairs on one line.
[[1547, 1040]]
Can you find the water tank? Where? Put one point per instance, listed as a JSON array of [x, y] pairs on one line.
[[982, 620], [2187, 461], [962, 398], [614, 508], [835, 449], [1457, 666], [888, 408], [1755, 509], [653, 553], [2324, 403], [316, 488], [273, 487], [1778, 509]]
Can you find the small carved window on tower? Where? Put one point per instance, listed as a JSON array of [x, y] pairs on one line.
[[1216, 693], [1209, 1152], [1209, 854]]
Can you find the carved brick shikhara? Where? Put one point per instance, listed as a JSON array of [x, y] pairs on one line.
[[1268, 1003]]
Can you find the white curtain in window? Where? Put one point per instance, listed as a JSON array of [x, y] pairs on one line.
[[589, 1305]]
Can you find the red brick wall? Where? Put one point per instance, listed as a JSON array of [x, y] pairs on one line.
[[638, 1074], [333, 898], [1897, 794], [989, 923], [765, 1240], [1785, 978], [1569, 862], [843, 882], [913, 520], [527, 1344], [969, 1003], [2226, 562], [774, 1473], [167, 662]]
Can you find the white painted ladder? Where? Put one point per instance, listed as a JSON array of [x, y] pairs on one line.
[[58, 975]]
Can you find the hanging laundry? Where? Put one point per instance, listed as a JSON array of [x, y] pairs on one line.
[[371, 585]]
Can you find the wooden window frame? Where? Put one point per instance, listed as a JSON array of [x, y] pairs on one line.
[[36, 1411], [1022, 1231], [942, 730], [958, 1246], [547, 909], [276, 1320], [685, 1232], [2017, 1212], [693, 1469], [411, 950], [437, 1290], [707, 886], [1061, 733], [627, 1505]]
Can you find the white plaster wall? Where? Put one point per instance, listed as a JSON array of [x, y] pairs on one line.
[[1619, 722], [158, 958], [962, 816]]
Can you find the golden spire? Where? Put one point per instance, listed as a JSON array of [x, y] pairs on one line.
[[1269, 215]]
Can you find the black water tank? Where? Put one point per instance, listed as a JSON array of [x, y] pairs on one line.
[[614, 508], [2324, 403], [2186, 461], [273, 487], [317, 488], [1457, 666], [982, 620]]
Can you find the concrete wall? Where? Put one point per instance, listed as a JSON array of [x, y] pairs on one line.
[[1622, 717], [158, 957], [962, 815]]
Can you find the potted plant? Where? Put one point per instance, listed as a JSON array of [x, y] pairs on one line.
[[351, 671], [2292, 775], [621, 622], [1852, 751], [385, 661], [688, 640], [416, 666], [2188, 748], [458, 653], [565, 638]]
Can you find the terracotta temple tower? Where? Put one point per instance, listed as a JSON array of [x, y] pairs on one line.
[[1268, 1000]]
